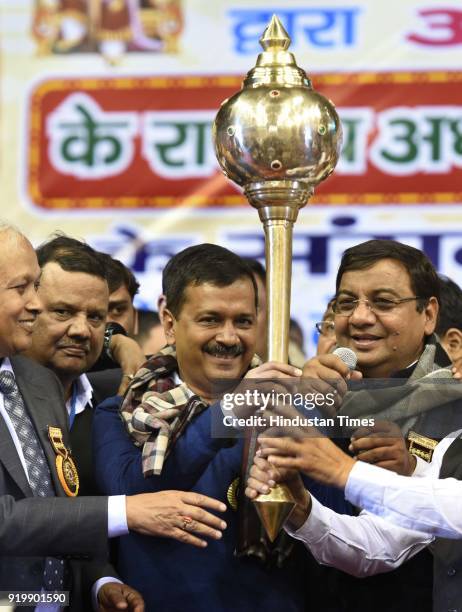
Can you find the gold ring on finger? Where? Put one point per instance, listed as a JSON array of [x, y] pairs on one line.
[[187, 520]]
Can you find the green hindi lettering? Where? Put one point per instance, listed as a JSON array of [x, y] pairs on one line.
[[407, 137], [92, 144], [434, 137], [191, 133], [455, 127]]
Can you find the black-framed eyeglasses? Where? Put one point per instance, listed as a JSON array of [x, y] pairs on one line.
[[345, 306], [325, 328]]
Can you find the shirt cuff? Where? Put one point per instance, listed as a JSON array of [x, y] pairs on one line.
[[314, 529], [361, 481], [117, 516], [98, 584]]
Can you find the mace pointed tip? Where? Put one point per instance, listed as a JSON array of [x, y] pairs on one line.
[[275, 35]]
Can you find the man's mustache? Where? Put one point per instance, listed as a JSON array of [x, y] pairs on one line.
[[221, 350]]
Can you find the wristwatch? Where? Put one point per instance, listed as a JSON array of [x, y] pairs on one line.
[[112, 328]]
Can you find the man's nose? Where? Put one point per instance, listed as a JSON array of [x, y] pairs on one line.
[[362, 314], [34, 303], [227, 335], [79, 327]]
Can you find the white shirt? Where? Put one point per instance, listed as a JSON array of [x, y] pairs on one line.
[[427, 504], [117, 515], [84, 395], [367, 544]]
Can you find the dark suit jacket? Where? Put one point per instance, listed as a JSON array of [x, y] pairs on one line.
[[447, 587], [105, 383], [30, 528]]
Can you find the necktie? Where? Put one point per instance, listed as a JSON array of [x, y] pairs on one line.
[[37, 466]]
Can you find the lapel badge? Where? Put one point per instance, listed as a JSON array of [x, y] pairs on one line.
[[421, 446], [232, 493], [65, 466]]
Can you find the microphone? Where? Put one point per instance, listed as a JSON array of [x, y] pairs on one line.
[[348, 356]]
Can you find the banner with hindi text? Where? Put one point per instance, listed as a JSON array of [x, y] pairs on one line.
[[106, 112]]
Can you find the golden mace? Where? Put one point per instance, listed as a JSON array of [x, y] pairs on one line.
[[277, 138]]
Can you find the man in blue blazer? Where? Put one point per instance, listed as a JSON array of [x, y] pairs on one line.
[[210, 326]]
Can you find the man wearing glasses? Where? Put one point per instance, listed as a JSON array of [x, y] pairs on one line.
[[385, 310]]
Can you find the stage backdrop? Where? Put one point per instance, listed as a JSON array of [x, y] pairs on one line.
[[106, 112]]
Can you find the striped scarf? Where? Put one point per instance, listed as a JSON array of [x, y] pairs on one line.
[[156, 411]]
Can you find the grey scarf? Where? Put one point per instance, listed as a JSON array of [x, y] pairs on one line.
[[405, 402]]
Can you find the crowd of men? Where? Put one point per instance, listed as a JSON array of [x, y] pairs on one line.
[[103, 441]]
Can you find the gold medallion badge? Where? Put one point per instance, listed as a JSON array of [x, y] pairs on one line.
[[65, 466]]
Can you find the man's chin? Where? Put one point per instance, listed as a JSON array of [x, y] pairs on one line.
[[71, 369], [226, 368], [369, 362], [227, 371]]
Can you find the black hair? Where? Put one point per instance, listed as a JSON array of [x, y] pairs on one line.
[[450, 313], [119, 275], [422, 274], [72, 255], [257, 268], [203, 263], [295, 329]]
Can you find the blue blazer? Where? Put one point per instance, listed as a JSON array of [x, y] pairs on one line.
[[178, 577]]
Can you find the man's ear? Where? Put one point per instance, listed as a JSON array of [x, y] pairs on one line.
[[452, 343], [431, 315], [161, 306], [168, 321]]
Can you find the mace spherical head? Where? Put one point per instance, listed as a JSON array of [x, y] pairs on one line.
[[277, 128]]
